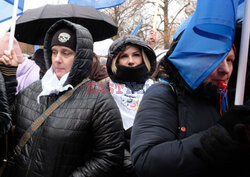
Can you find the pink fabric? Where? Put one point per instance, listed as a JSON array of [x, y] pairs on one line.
[[4, 44], [26, 74], [27, 70]]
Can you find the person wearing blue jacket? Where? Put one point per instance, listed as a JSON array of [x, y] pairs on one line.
[[183, 127]]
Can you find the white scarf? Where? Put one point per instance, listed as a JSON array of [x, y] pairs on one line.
[[127, 101], [51, 84]]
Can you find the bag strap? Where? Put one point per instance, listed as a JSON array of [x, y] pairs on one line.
[[39, 121]]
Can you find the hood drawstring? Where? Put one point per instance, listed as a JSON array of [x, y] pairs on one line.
[[223, 97]]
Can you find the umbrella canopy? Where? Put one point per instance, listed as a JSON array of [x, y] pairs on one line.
[[32, 25]]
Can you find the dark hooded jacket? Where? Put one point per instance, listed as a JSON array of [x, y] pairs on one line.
[[169, 124], [120, 44], [83, 136], [117, 46]]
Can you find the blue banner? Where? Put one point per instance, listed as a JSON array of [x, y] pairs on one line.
[[98, 4], [206, 41], [7, 8], [241, 11], [240, 17]]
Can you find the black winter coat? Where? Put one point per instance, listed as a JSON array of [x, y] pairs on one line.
[[82, 137], [169, 125], [166, 129], [7, 80]]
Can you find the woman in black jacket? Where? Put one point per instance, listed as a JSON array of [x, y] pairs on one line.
[[84, 135], [130, 65], [182, 128]]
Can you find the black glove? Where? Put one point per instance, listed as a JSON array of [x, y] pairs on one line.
[[236, 121], [223, 155], [217, 147], [247, 102]]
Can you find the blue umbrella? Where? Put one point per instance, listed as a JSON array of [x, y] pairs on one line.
[[206, 41]]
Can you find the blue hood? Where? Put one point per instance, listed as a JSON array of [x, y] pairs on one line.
[[206, 41]]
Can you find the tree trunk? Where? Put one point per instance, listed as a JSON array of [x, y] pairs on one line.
[[166, 26]]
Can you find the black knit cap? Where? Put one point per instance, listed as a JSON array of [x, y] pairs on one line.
[[64, 37]]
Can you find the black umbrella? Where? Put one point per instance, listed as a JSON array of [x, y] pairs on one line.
[[32, 25]]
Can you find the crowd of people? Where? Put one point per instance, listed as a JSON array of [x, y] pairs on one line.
[[67, 114]]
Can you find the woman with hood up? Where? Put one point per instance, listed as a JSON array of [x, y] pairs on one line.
[[130, 64], [83, 136], [183, 128]]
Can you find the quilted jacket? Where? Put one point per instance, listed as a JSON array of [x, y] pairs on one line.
[[5, 117], [82, 137]]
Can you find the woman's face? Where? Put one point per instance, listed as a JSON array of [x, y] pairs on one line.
[[130, 57], [62, 60], [223, 71]]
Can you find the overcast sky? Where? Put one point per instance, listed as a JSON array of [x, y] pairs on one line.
[[28, 4]]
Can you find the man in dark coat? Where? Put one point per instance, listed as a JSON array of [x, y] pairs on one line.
[[84, 135]]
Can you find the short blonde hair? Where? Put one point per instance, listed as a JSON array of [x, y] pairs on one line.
[[144, 58]]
